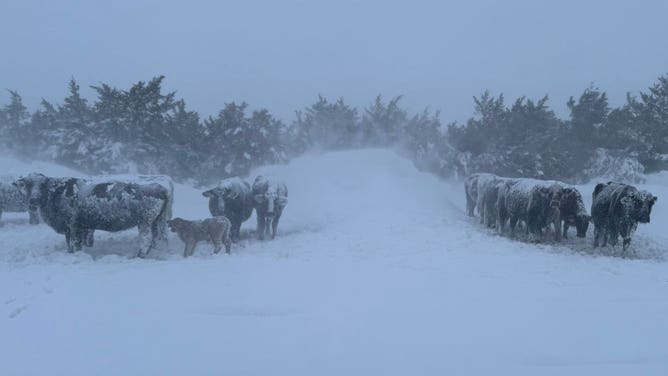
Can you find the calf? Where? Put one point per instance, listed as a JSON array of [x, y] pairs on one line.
[[616, 210], [215, 230]]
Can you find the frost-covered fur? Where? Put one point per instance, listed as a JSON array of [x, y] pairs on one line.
[[471, 190], [573, 211], [536, 202], [484, 182], [270, 200], [616, 210], [215, 230], [232, 198], [490, 195], [77, 207], [13, 199]]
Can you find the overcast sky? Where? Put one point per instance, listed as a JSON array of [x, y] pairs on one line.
[[282, 54]]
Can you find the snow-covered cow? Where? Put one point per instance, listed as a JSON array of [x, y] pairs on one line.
[[536, 202], [233, 199], [13, 199], [77, 207], [471, 190], [490, 192], [483, 183], [616, 210], [573, 212], [270, 200]]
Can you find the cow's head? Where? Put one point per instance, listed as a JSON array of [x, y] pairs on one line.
[[638, 205], [176, 224], [29, 185], [582, 224]]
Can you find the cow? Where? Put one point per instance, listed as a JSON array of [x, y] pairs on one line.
[[215, 230], [13, 199], [270, 200], [535, 202], [77, 207], [233, 199], [616, 210], [573, 212], [471, 190], [483, 184], [490, 196]]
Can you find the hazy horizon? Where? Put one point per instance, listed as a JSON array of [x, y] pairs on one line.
[[280, 56]]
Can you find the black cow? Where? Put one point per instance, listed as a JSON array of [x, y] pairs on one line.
[[616, 210], [573, 212], [54, 199], [13, 199], [77, 207], [270, 200], [232, 199], [471, 190]]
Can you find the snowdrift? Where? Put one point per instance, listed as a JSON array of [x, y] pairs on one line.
[[376, 269]]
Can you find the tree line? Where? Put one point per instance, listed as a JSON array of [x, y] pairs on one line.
[[146, 130]]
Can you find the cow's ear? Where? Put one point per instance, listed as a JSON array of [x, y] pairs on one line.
[[207, 193], [654, 199]]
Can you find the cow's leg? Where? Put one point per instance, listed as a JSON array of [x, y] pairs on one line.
[[597, 235], [565, 230], [274, 225], [557, 229], [228, 245], [260, 226], [77, 238], [90, 238], [68, 241], [626, 242], [191, 251], [236, 230], [217, 243], [481, 209], [145, 240], [513, 223], [33, 216]]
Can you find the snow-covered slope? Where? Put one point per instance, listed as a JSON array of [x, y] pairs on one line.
[[375, 270]]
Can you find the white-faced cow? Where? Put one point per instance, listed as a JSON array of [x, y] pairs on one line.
[[616, 210], [13, 199], [77, 207], [233, 199], [270, 200]]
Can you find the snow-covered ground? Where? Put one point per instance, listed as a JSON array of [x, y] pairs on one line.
[[376, 270]]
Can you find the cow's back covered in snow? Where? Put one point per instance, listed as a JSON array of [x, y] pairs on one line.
[[77, 207]]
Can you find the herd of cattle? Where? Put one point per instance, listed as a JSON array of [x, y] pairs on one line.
[[76, 207], [544, 205]]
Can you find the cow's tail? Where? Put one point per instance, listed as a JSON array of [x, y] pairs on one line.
[[160, 223]]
